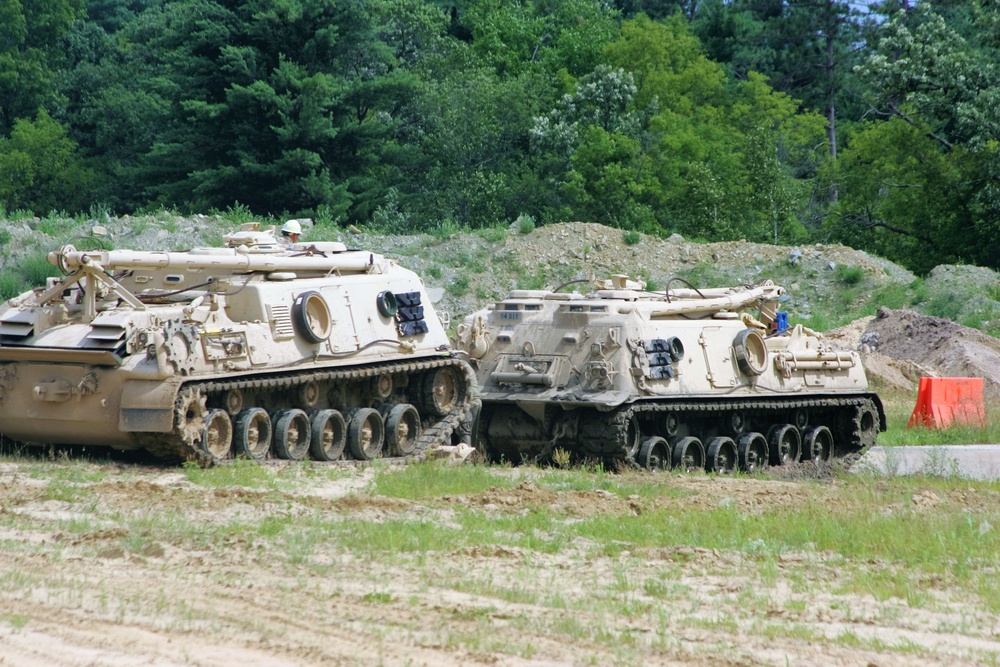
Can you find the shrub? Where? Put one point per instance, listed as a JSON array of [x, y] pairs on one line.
[[446, 229], [10, 284], [632, 237], [459, 286], [237, 214], [35, 268], [525, 224], [849, 275]]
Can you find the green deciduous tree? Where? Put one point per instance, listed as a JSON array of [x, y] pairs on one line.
[[938, 81], [41, 168]]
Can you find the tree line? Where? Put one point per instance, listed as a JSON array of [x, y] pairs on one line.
[[777, 121]]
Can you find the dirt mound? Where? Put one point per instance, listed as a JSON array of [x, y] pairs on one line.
[[900, 346], [598, 247]]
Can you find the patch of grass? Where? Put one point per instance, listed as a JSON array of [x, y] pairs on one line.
[[789, 631], [532, 280], [459, 286], [494, 234], [943, 305], [632, 237], [898, 413], [395, 536], [476, 263], [485, 293], [703, 274], [884, 583], [849, 275], [241, 472], [437, 478], [69, 471], [665, 590], [433, 271], [378, 597], [16, 621], [66, 491], [55, 224]]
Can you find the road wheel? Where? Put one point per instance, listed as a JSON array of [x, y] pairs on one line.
[[721, 456], [402, 429], [365, 433], [785, 444], [291, 435], [217, 438], [752, 452], [654, 454], [328, 436], [817, 444], [688, 454], [253, 433]]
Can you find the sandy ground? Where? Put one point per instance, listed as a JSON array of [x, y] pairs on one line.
[[85, 580]]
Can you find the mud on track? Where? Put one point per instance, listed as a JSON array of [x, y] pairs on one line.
[[119, 565]]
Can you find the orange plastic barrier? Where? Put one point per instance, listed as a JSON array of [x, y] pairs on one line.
[[944, 401]]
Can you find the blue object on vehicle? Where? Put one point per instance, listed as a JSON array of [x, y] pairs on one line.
[[781, 323]]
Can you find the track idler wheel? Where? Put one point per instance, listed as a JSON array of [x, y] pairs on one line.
[[785, 444], [328, 435], [721, 456], [688, 454], [654, 454], [817, 444], [253, 433], [365, 433], [402, 429], [217, 438], [292, 432], [752, 452]]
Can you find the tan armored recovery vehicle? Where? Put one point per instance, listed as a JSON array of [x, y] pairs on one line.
[[692, 378], [252, 349]]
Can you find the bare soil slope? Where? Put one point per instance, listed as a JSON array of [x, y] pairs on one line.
[[900, 346]]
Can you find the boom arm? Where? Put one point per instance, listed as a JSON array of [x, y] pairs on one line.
[[233, 260]]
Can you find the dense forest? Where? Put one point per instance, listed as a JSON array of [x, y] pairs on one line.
[[778, 121]]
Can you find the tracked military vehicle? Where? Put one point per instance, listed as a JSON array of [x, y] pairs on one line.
[[692, 378], [253, 349]]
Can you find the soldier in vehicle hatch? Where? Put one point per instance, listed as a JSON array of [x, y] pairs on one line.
[[290, 232]]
